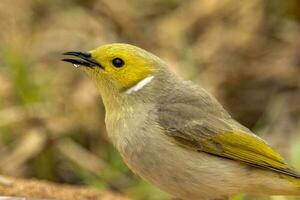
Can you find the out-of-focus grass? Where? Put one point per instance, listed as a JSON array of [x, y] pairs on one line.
[[51, 117]]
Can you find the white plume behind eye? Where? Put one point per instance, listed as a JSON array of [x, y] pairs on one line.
[[139, 85]]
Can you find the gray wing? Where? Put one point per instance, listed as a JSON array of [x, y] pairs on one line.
[[205, 126]]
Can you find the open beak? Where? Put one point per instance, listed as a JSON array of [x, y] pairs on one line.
[[86, 59]]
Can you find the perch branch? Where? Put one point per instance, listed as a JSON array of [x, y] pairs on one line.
[[38, 189]]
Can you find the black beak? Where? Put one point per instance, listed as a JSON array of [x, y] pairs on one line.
[[86, 59]]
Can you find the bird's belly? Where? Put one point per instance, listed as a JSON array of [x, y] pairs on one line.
[[188, 174], [180, 172]]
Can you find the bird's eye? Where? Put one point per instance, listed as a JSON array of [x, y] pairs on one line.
[[118, 62]]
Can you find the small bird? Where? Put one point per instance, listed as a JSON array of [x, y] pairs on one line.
[[175, 134]]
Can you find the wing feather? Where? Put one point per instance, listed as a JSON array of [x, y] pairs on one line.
[[223, 136]]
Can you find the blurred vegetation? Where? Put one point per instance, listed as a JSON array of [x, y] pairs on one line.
[[247, 53]]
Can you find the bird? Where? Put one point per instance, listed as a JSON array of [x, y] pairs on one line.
[[175, 134]]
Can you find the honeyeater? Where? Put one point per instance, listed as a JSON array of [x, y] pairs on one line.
[[175, 134]]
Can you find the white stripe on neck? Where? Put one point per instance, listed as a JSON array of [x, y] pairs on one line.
[[140, 85]]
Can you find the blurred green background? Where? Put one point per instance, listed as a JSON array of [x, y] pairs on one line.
[[247, 53]]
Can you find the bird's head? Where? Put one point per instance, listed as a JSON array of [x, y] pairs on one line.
[[117, 69]]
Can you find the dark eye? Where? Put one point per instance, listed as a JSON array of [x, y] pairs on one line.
[[118, 62]]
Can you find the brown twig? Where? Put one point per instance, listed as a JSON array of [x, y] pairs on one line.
[[47, 190]]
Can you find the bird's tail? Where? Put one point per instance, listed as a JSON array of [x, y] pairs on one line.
[[290, 185], [280, 184], [295, 185], [292, 181]]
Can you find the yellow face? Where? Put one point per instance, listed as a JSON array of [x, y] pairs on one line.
[[122, 65]]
